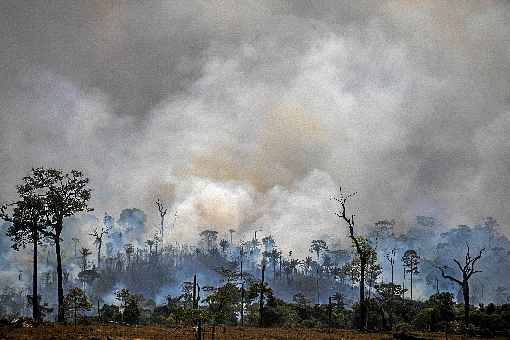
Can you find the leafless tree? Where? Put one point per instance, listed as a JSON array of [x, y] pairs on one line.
[[98, 233], [162, 209], [84, 252], [467, 269], [363, 252]]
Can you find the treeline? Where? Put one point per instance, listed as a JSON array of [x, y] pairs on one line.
[[372, 286]]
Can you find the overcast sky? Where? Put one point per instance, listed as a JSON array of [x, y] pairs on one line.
[[250, 114]]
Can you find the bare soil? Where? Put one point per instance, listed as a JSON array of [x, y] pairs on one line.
[[117, 332]]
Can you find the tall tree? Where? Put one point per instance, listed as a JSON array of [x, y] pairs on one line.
[[64, 195], [98, 233], [410, 261], [231, 231], [363, 252], [467, 269], [162, 210], [85, 253], [317, 246], [391, 259], [27, 225]]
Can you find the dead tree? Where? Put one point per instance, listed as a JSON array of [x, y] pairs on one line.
[[467, 269], [363, 253], [162, 209], [98, 233], [84, 252]]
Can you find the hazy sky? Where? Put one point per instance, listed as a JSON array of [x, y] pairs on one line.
[[250, 114]]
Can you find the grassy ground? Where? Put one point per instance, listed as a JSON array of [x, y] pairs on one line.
[[117, 332]]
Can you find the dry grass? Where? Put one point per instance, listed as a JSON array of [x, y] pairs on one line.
[[117, 332]]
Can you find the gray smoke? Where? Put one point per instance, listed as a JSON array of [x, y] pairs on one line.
[[248, 115]]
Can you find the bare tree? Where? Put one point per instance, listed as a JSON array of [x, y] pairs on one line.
[[391, 259], [98, 233], [84, 252], [467, 269], [162, 209], [363, 252]]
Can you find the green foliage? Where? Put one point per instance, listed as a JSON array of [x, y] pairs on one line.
[[130, 305], [224, 303], [76, 302]]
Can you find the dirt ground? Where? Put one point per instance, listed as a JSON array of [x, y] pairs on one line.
[[118, 332]]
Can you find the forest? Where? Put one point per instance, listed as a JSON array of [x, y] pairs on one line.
[[428, 278]]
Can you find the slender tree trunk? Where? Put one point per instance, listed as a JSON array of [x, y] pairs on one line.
[[60, 288], [411, 284], [242, 304], [404, 285], [318, 289], [35, 293], [194, 291], [363, 307], [261, 302], [100, 243], [242, 295]]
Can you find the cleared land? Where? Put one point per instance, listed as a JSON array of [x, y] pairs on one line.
[[117, 332]]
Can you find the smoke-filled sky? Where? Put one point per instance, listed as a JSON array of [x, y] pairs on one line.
[[250, 114]]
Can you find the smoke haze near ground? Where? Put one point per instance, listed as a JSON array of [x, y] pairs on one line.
[[248, 115]]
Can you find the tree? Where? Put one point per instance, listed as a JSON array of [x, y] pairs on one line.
[[27, 225], [317, 246], [129, 305], [372, 268], [274, 256], [363, 252], [162, 209], [224, 245], [231, 231], [75, 241], [98, 233], [75, 302], [84, 252], [223, 303], [130, 250], [467, 269], [209, 237], [64, 194], [442, 310], [150, 244], [410, 261]]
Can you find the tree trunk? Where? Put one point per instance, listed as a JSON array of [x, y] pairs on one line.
[[60, 288], [100, 243], [465, 292], [242, 304], [362, 305], [261, 302], [318, 288], [35, 293], [411, 283]]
